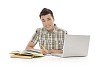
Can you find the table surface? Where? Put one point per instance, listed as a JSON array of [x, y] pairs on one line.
[[49, 61]]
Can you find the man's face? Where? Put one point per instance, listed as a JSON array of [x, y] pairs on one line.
[[47, 22]]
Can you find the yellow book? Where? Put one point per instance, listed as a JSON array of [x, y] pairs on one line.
[[21, 56], [26, 54]]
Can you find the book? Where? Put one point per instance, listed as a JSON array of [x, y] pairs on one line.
[[26, 54]]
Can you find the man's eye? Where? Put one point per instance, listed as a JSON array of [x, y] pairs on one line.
[[49, 19]]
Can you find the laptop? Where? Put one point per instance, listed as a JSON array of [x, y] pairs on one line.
[[75, 46]]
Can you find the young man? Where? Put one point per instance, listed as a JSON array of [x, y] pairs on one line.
[[50, 37]]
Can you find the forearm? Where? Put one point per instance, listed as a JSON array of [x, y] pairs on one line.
[[29, 46], [55, 51]]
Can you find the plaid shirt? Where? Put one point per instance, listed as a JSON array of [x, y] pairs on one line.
[[50, 40]]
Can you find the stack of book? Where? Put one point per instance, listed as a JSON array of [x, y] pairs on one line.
[[26, 54]]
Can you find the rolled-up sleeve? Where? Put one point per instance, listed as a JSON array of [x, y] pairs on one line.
[[35, 37]]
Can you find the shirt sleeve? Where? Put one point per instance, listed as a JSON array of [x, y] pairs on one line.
[[35, 37], [66, 32]]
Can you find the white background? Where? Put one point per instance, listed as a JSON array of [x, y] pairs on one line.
[[20, 18]]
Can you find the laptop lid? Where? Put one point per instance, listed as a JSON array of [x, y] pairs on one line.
[[76, 45]]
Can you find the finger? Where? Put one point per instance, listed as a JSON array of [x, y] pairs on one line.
[[43, 52], [46, 51]]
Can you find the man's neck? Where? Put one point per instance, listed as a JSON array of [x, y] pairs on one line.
[[51, 30]]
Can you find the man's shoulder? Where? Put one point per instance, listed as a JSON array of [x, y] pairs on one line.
[[39, 30], [61, 30]]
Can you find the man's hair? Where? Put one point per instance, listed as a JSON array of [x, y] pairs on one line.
[[46, 11]]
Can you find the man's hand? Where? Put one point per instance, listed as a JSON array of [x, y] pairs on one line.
[[44, 51]]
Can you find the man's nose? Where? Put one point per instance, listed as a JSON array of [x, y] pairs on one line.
[[46, 22]]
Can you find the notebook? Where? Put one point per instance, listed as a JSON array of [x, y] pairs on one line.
[[26, 54]]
